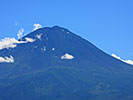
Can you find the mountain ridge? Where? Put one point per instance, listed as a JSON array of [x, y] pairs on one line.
[[56, 64]]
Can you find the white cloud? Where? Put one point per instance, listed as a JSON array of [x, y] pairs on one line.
[[7, 59], [39, 36], [126, 61], [29, 39], [12, 42], [8, 43], [129, 61], [37, 26], [67, 56], [20, 33]]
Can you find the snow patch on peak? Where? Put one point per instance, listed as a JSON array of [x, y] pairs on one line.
[[43, 49], [7, 59], [63, 30], [67, 56], [35, 46], [39, 36], [68, 32], [46, 38], [53, 49]]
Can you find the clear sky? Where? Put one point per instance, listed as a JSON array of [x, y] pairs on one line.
[[106, 23]]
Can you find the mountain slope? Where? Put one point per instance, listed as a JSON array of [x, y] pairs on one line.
[[59, 65]]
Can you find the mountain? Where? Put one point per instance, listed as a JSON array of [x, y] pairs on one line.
[[53, 63]]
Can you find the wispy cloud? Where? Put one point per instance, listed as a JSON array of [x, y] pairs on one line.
[[37, 26], [7, 59], [20, 33], [126, 61], [67, 56]]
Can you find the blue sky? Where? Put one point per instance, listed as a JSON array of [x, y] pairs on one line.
[[106, 23]]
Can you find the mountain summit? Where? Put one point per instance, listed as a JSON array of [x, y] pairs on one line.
[[53, 63]]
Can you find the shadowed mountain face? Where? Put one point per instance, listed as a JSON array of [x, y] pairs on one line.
[[59, 65]]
